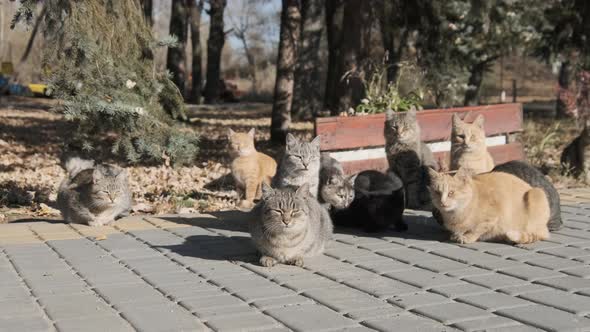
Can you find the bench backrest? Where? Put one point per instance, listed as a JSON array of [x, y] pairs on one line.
[[358, 142]]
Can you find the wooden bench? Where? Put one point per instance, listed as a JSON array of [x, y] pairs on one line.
[[358, 142]]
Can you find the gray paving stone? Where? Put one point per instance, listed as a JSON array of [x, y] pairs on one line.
[[24, 323], [111, 323], [451, 313], [281, 301], [546, 318], [225, 300], [407, 255], [163, 318], [207, 313], [19, 307], [416, 300], [265, 292], [576, 304], [384, 266], [554, 263], [496, 263], [522, 289], [469, 272], [308, 283], [463, 255], [310, 317], [460, 290], [487, 324], [496, 281], [373, 313], [493, 301], [193, 288], [379, 286], [139, 294], [407, 322], [13, 293], [531, 273], [569, 283], [442, 265], [423, 278], [75, 306], [250, 322], [344, 299], [566, 252]]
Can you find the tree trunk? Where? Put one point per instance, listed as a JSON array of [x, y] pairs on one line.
[[147, 6], [176, 59], [38, 20], [287, 59], [392, 27], [214, 48], [334, 21], [350, 72], [307, 94], [564, 80], [195, 25], [475, 79]]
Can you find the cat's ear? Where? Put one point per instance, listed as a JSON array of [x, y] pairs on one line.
[[123, 173], [303, 191], [457, 120], [251, 132], [316, 141], [82, 178], [267, 191], [291, 140], [351, 179], [479, 121], [230, 132], [389, 114], [432, 174]]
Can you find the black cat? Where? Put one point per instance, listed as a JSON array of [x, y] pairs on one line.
[[379, 202]]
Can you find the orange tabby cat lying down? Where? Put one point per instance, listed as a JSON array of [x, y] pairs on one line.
[[490, 207], [249, 167]]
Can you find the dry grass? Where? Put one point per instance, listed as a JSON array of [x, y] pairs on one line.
[[544, 140], [31, 135]]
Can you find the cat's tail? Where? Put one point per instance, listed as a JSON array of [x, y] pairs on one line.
[[555, 224], [73, 165], [537, 205]]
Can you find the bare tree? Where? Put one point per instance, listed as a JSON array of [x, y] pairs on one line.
[[287, 59], [214, 48], [176, 58], [307, 94], [247, 25], [195, 10]]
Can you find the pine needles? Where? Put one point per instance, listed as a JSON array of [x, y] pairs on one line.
[[99, 60]]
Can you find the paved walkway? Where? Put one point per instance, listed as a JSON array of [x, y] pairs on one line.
[[174, 273]]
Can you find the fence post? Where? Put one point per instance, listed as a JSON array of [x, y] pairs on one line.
[[514, 93]]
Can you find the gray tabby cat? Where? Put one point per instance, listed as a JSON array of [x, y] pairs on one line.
[[300, 164], [93, 194], [292, 225], [576, 156], [336, 189], [408, 156]]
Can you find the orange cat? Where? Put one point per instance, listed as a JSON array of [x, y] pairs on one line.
[[468, 146], [492, 206], [249, 167]]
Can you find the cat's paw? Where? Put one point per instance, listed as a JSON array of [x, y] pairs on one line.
[[461, 239], [268, 261], [244, 204], [98, 222], [298, 261]]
